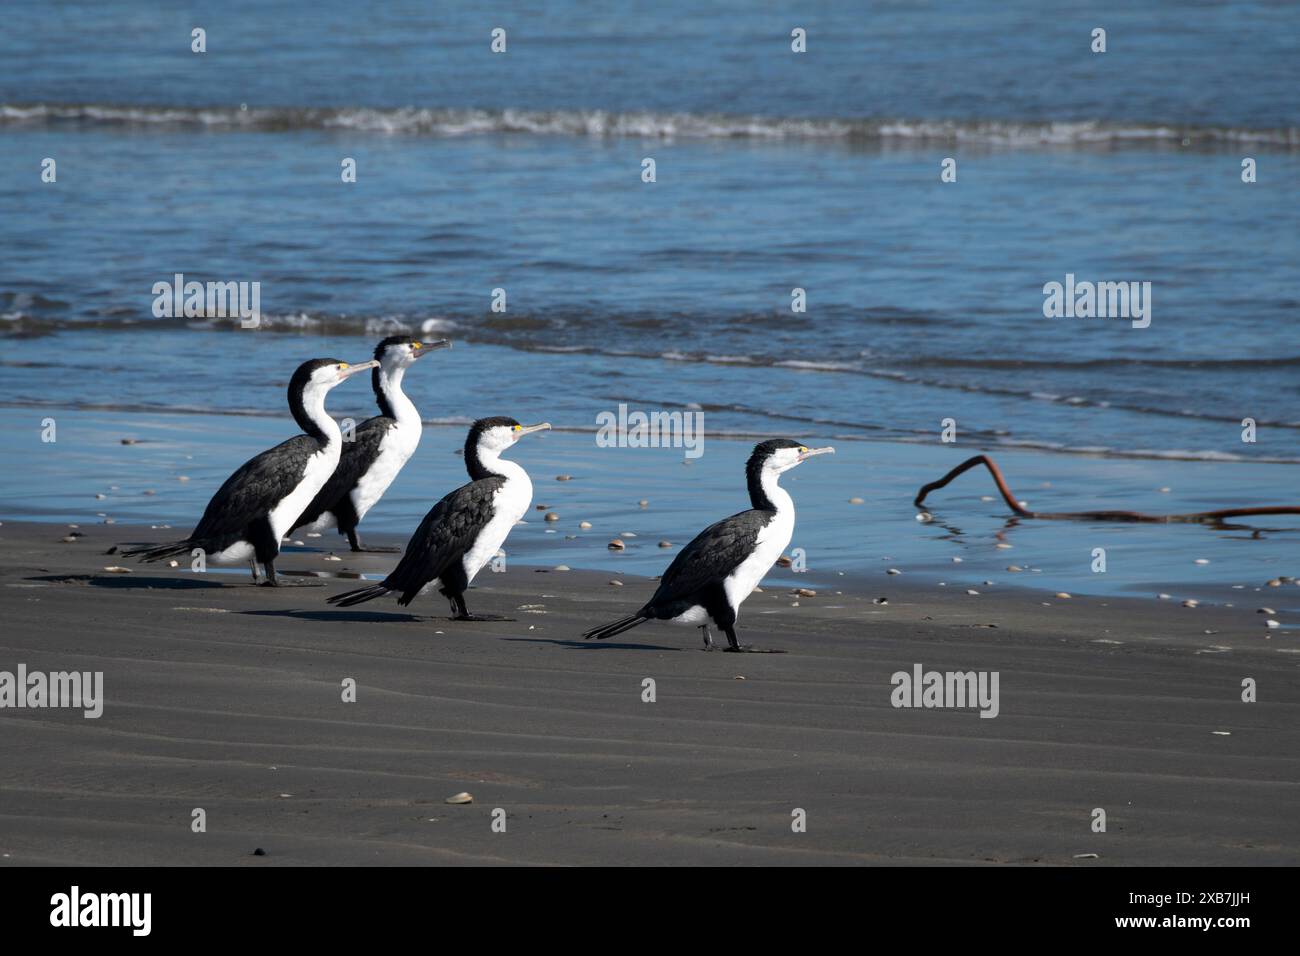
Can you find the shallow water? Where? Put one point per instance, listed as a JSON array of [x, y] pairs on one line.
[[140, 484]]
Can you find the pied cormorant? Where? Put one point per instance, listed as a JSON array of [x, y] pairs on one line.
[[464, 530], [254, 509], [712, 576]]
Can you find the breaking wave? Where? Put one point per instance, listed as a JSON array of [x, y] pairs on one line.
[[601, 124]]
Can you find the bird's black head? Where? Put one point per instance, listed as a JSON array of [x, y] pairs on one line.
[[769, 459], [489, 437], [770, 451], [395, 354], [311, 380], [407, 346], [322, 372]]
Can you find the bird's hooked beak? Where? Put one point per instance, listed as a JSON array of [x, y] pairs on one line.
[[529, 429], [810, 452], [350, 370], [424, 348]]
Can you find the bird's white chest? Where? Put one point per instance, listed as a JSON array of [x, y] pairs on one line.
[[771, 542], [315, 473], [395, 450], [510, 503]]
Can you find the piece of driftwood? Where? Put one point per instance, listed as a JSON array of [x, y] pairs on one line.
[[1014, 503]]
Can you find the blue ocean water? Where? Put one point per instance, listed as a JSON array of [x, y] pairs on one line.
[[775, 171]]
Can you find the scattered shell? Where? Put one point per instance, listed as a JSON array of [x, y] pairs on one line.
[[665, 544], [584, 525], [1002, 546], [1266, 610], [542, 508], [115, 569], [1165, 597], [616, 545], [1201, 561], [561, 567], [148, 491], [70, 539], [130, 441], [925, 517], [173, 564], [971, 591], [1221, 733], [1163, 491], [880, 600], [784, 561], [1271, 623], [627, 534], [855, 500], [1014, 567], [1275, 583], [1063, 594], [986, 497], [332, 557], [1190, 602], [99, 497], [616, 583], [644, 503], [1086, 856], [182, 477], [956, 560], [739, 677], [552, 516], [893, 571], [805, 592], [563, 477], [459, 798]]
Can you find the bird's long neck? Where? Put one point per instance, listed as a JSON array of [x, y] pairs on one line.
[[766, 493], [392, 401], [485, 463], [308, 407]]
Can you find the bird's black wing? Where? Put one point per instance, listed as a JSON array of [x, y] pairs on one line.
[[356, 458], [712, 555], [255, 487], [446, 533]]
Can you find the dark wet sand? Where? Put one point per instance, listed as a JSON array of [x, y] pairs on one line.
[[228, 698]]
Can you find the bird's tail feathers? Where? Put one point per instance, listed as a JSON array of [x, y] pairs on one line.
[[160, 551], [359, 596], [615, 627]]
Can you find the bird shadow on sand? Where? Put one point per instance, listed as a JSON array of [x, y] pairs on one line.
[[127, 583], [594, 645], [348, 617]]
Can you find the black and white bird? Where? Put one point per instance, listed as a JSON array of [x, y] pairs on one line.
[[464, 530], [256, 506], [712, 576], [378, 448]]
